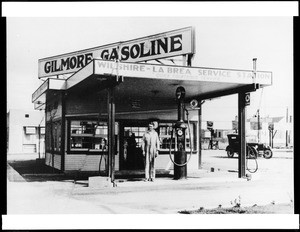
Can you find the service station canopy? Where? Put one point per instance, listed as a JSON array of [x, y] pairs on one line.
[[143, 81]]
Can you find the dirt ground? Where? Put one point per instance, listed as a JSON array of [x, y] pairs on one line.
[[255, 209], [46, 190]]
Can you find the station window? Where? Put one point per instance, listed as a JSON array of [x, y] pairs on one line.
[[165, 135], [88, 135], [165, 131]]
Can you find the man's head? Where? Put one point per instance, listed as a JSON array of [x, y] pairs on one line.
[[151, 126]]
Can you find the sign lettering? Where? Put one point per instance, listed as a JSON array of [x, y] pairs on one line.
[[168, 44], [180, 73], [69, 63]]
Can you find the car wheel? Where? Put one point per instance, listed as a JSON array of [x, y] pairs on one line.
[[268, 154]]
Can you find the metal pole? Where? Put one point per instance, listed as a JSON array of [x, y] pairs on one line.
[[111, 132], [254, 70], [242, 135], [39, 131], [254, 81], [200, 136], [113, 144], [258, 127], [272, 131], [270, 136], [184, 61], [286, 132]]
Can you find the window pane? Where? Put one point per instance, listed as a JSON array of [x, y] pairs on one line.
[[88, 135], [30, 130]]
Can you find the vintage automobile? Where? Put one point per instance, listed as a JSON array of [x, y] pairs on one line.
[[253, 149], [262, 149]]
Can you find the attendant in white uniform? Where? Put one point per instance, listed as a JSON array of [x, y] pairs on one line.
[[150, 146]]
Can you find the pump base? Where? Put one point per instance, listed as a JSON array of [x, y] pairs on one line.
[[100, 182], [180, 172]]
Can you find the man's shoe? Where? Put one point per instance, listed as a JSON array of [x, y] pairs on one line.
[[146, 180], [152, 180]]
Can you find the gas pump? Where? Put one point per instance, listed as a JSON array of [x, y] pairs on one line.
[[180, 159], [180, 155]]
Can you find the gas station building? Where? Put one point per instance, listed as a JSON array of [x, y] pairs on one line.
[[101, 111]]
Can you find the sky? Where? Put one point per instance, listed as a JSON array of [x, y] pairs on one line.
[[229, 42]]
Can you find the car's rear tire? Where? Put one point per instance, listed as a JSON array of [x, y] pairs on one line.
[[268, 154]]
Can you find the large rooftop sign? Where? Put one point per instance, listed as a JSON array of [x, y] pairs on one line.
[[159, 46]]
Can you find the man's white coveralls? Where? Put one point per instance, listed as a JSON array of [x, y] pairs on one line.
[[150, 147]]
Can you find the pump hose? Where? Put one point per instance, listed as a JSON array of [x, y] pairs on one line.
[[180, 165], [101, 160], [256, 163]]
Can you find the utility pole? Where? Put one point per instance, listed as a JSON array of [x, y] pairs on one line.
[[286, 131], [258, 127], [254, 80], [254, 70]]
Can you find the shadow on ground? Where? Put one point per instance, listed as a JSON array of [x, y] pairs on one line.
[[36, 170]]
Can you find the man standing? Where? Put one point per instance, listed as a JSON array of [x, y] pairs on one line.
[[150, 148]]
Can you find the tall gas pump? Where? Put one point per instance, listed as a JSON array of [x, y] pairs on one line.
[[180, 169]]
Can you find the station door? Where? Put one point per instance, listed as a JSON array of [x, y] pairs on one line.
[[131, 150]]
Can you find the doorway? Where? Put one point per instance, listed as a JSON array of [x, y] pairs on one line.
[[131, 155]]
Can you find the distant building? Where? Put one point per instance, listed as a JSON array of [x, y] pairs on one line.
[[220, 131], [281, 131], [25, 131], [280, 128]]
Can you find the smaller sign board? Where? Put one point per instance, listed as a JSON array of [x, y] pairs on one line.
[[210, 125], [247, 99], [142, 70]]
